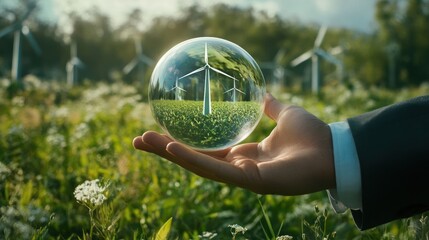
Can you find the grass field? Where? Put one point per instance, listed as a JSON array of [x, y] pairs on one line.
[[228, 123], [53, 138]]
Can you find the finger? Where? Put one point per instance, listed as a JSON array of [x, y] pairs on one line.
[[155, 139], [140, 145], [153, 142], [205, 165], [273, 107], [157, 143], [221, 154]]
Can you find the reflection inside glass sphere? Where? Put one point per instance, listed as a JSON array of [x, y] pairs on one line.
[[207, 93]]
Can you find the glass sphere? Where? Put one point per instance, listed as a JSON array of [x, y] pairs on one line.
[[207, 93]]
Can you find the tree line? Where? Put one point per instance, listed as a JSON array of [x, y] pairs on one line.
[[396, 54]]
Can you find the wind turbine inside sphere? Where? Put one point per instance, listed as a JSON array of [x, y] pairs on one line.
[[314, 55], [178, 89], [140, 58], [73, 65], [18, 28], [207, 106], [234, 91]]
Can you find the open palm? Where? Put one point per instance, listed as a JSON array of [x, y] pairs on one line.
[[296, 158]]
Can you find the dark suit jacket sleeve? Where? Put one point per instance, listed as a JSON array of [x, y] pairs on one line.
[[393, 149]]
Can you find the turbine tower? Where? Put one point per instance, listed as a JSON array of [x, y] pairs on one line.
[[73, 65], [392, 50], [140, 58], [207, 105], [314, 55], [20, 28], [234, 91]]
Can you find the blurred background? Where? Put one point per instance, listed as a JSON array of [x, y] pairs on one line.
[[73, 94], [382, 43]]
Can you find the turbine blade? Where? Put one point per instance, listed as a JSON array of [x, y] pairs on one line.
[[31, 40], [130, 66], [181, 89], [8, 30], [229, 90], [328, 57], [336, 50], [219, 71], [279, 56], [238, 90], [31, 7], [320, 36], [73, 49], [146, 59], [193, 72], [206, 56], [267, 65], [138, 46], [77, 62], [302, 58]]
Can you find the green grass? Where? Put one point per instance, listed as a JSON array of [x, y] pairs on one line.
[[53, 138], [228, 123]]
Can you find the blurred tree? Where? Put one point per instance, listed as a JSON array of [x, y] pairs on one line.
[[415, 41], [98, 45], [402, 31]]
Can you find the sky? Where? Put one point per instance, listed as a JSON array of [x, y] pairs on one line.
[[353, 14]]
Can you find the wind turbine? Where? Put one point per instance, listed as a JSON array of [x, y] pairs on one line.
[[73, 64], [338, 61], [178, 89], [330, 57], [140, 58], [314, 55], [234, 91], [207, 105], [278, 71], [20, 28], [392, 50]]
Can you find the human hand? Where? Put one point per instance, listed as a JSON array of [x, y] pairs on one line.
[[296, 158]]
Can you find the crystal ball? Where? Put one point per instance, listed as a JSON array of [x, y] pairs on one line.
[[207, 93]]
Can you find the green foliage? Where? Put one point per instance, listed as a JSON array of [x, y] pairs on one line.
[[163, 232], [53, 138]]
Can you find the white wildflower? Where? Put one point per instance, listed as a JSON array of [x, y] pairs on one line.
[[4, 171], [18, 101], [55, 138], [208, 235], [235, 229], [61, 112], [284, 237], [81, 130], [91, 193], [94, 94]]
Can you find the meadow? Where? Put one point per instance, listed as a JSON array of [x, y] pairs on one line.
[[58, 142], [184, 121]]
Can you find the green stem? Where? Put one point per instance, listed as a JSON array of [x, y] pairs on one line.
[[91, 219]]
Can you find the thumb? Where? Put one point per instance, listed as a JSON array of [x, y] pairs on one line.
[[273, 107]]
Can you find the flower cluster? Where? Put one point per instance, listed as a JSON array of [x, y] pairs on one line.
[[284, 237], [91, 193], [236, 229]]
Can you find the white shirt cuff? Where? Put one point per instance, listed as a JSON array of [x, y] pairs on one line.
[[348, 193]]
